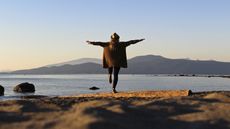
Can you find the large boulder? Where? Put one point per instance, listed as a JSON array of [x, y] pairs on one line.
[[24, 87], [1, 90]]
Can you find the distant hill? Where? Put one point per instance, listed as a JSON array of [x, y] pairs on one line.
[[151, 64], [78, 61], [148, 64], [85, 68]]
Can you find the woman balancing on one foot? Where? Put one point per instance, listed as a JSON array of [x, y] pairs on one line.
[[114, 56]]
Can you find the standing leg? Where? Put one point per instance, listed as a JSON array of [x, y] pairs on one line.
[[110, 70], [115, 79]]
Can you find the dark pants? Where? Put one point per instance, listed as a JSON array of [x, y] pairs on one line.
[[115, 72]]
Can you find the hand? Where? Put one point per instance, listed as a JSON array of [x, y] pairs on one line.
[[88, 42], [142, 39]]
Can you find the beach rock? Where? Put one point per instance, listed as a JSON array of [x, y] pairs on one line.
[[1, 90], [24, 87], [94, 88]]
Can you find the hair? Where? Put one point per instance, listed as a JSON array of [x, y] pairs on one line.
[[115, 37]]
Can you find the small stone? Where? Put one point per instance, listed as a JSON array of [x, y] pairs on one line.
[[94, 88]]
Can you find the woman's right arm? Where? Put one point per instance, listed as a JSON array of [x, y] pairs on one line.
[[102, 44]]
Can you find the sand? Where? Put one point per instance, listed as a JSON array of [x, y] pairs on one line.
[[126, 110]]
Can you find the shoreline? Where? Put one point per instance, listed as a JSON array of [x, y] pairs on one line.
[[163, 75], [122, 94], [165, 109]]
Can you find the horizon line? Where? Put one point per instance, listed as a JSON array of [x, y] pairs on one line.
[[49, 65]]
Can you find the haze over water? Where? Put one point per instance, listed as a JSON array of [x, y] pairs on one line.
[[53, 85]]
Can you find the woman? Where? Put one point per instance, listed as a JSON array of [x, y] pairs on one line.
[[114, 56]]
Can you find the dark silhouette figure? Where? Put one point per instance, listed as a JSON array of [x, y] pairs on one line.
[[114, 56]]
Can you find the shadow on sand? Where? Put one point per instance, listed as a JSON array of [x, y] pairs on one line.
[[11, 117], [153, 115]]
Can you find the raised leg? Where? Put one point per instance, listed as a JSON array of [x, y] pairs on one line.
[[110, 70]]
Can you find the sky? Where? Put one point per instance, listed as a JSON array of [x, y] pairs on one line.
[[35, 33]]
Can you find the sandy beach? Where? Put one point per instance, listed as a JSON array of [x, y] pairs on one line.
[[125, 110]]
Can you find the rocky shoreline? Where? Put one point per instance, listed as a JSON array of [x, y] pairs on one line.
[[127, 110]]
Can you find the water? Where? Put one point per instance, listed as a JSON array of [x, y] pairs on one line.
[[56, 85]]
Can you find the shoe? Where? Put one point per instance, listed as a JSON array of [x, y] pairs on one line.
[[114, 90], [110, 79]]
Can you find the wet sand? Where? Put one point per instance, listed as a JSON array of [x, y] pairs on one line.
[[126, 110]]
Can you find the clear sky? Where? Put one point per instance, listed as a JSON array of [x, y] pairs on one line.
[[39, 32]]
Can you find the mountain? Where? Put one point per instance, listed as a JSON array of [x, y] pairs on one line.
[[151, 64], [78, 61], [85, 68], [148, 64]]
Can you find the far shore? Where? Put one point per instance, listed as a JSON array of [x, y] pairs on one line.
[[177, 109], [163, 75]]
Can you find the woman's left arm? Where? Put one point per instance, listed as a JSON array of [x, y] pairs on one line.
[[133, 41]]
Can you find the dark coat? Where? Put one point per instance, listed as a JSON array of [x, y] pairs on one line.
[[114, 54]]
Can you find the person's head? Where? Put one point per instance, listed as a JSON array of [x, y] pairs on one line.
[[115, 37]]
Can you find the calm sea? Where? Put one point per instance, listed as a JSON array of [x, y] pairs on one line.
[[55, 85]]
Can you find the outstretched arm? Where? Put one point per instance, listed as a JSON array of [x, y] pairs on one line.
[[102, 44], [133, 41]]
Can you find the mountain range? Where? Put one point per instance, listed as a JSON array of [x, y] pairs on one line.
[[147, 64], [78, 61]]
